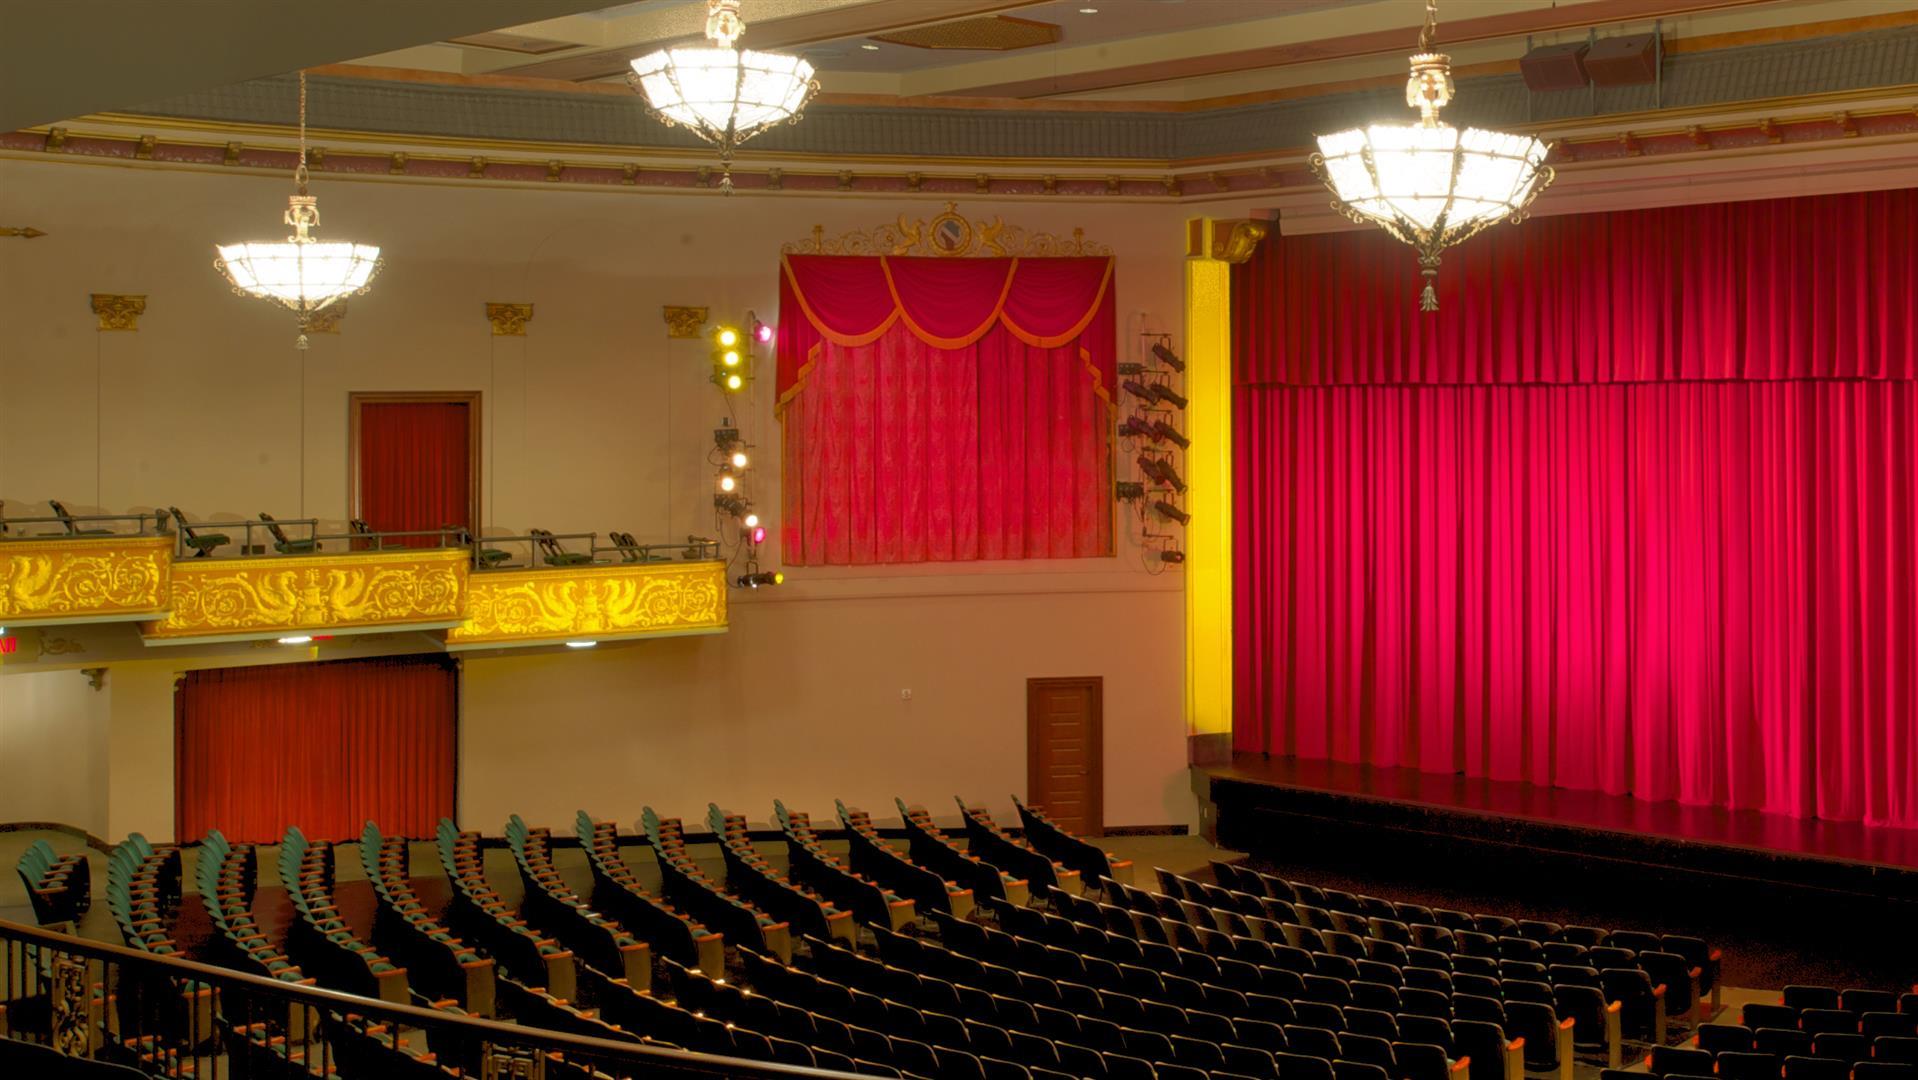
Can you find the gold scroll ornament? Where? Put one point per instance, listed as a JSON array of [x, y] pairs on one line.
[[91, 579], [389, 590], [619, 600]]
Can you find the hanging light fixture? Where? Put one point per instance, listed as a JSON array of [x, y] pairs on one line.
[[303, 274], [722, 94], [1428, 183]]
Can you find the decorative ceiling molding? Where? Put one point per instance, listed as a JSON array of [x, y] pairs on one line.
[[992, 33], [947, 234]]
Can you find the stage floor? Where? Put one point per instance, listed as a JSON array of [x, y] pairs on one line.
[[1813, 839]]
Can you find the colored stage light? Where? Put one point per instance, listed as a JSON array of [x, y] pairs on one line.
[[1167, 357], [1168, 395], [734, 382], [1140, 390], [726, 482], [1163, 430], [760, 578], [762, 333], [759, 534], [730, 358], [739, 459], [1172, 555], [727, 336], [1135, 427], [752, 521], [1171, 512]]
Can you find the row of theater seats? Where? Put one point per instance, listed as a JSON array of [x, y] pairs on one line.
[[440, 964], [813, 866], [594, 938], [754, 879], [320, 937], [871, 857], [60, 887], [688, 886], [616, 888], [1810, 1033], [479, 913]]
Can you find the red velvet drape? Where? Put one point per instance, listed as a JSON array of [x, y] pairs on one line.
[[1677, 564], [415, 466], [325, 746], [945, 409]]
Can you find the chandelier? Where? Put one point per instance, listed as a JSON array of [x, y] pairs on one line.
[[722, 94], [302, 273], [1428, 183]]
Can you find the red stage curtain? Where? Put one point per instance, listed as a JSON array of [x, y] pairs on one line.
[[326, 747], [1673, 588], [945, 409], [415, 465]]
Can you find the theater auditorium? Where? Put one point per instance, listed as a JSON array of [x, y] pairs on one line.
[[959, 539]]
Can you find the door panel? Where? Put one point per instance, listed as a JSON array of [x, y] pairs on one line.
[[1065, 768]]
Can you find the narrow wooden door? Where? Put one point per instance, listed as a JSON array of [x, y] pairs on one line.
[[1065, 764]]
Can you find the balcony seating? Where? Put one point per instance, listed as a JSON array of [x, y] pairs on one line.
[[750, 876], [552, 553], [73, 528], [871, 857], [1093, 862], [320, 937], [687, 886], [929, 846], [437, 962], [812, 866], [550, 902], [989, 842], [60, 887], [201, 543], [285, 545], [616, 889], [479, 913]]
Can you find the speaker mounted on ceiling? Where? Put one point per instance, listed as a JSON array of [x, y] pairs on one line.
[[1555, 67], [1623, 61]]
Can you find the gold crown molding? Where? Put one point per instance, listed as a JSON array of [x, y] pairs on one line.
[[118, 312], [24, 232], [216, 599], [948, 234], [88, 579], [597, 603], [684, 322], [509, 320]]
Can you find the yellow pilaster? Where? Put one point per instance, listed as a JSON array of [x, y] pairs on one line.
[[1211, 248]]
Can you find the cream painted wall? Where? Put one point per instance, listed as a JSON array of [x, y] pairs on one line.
[[53, 750], [594, 420]]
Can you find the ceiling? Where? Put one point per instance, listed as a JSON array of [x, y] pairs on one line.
[[1161, 50], [67, 58]]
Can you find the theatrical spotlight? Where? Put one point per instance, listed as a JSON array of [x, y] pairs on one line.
[[730, 505], [1163, 430], [1172, 555], [1167, 357], [1140, 390], [1135, 427], [732, 365], [1172, 512], [1168, 395], [760, 578], [1162, 472], [1128, 490], [727, 482], [762, 333]]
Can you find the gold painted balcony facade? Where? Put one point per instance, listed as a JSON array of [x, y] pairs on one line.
[[272, 596], [85, 579], [605, 602]]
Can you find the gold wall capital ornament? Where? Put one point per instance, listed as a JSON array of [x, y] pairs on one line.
[[1235, 241], [264, 596], [947, 234], [117, 311], [684, 322], [327, 319], [85, 579], [509, 320], [598, 603]]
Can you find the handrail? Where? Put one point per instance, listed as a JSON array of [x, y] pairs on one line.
[[666, 1062], [158, 519]]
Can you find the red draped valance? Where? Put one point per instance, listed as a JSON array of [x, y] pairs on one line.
[[1807, 288], [852, 300]]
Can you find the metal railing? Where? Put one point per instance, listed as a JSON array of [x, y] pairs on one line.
[[75, 525], [692, 549], [180, 1019]]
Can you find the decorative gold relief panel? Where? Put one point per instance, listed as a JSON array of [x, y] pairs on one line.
[[258, 597], [93, 579], [947, 234], [621, 600]]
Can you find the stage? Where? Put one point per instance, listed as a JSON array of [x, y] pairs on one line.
[[1567, 851]]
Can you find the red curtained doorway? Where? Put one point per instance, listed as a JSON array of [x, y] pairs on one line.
[[415, 463]]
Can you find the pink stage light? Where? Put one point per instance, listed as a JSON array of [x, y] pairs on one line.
[[759, 534], [762, 333]]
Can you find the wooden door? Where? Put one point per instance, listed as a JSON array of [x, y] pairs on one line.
[[1065, 764]]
